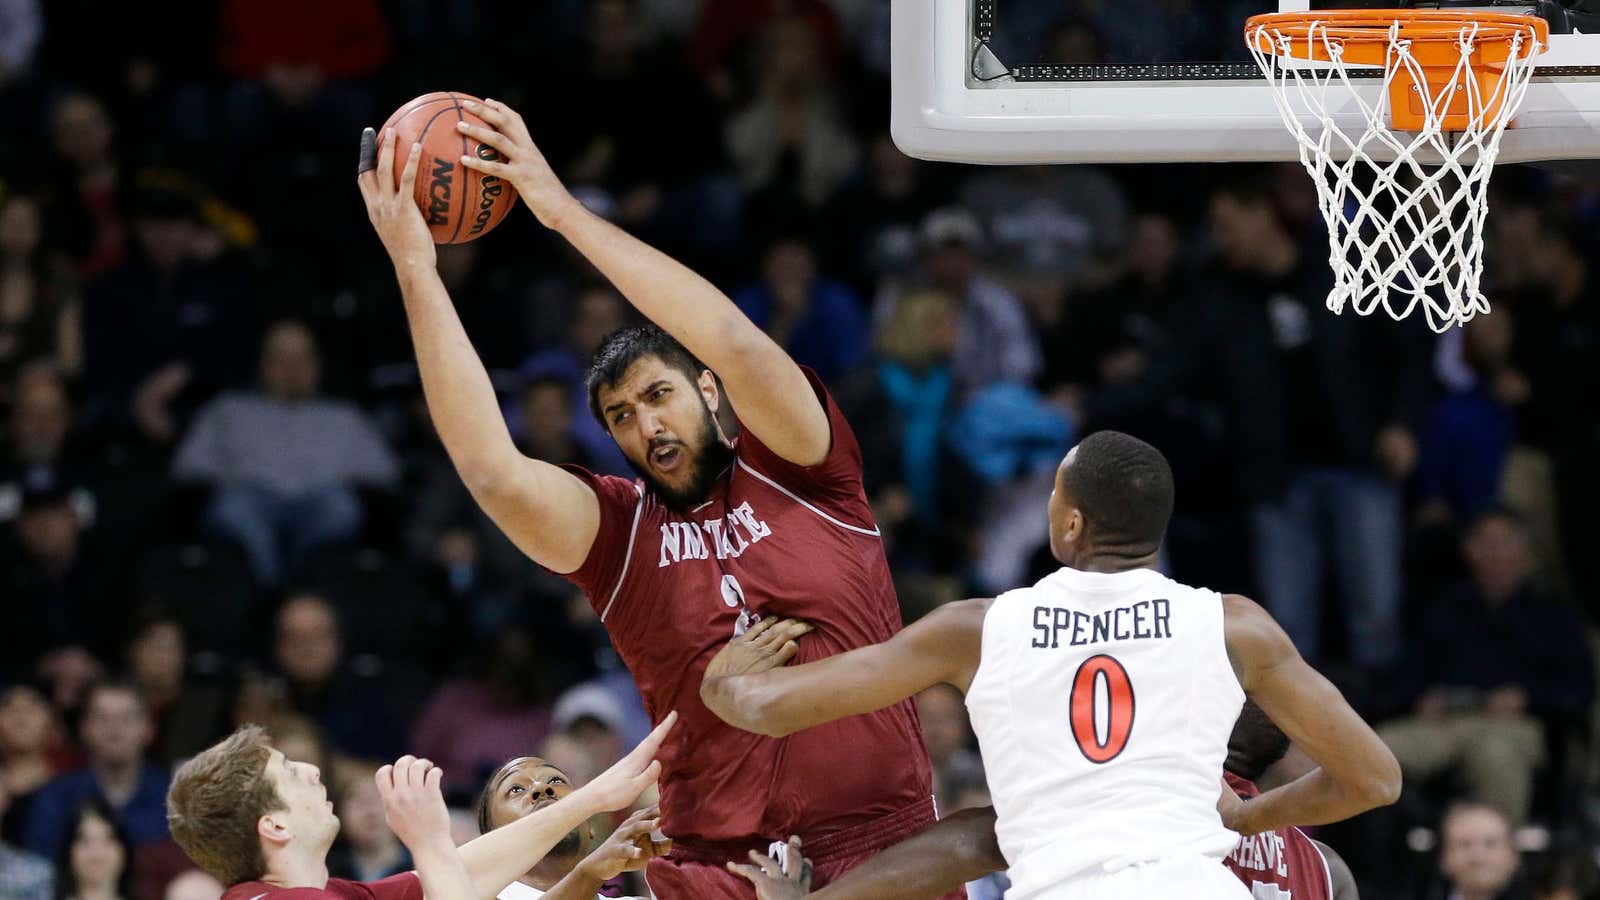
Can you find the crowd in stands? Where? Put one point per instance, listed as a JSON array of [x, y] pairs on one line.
[[221, 499]]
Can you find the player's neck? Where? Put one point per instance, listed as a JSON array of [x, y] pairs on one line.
[[549, 872], [290, 867], [1112, 563]]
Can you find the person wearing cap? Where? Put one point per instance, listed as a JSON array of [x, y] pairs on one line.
[[53, 586]]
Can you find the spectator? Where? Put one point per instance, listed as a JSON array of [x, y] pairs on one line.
[[116, 733], [32, 752], [38, 311], [23, 28], [597, 311], [817, 320], [593, 720], [728, 27], [95, 861], [193, 885], [166, 329], [478, 561], [1476, 858], [41, 420], [82, 205], [994, 340], [470, 725], [284, 462], [1321, 411], [1495, 662], [23, 876], [902, 407], [349, 706], [188, 713], [56, 582], [871, 223], [948, 736], [789, 144], [1052, 226], [1467, 438], [366, 849]]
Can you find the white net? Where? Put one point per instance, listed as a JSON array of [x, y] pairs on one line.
[[1402, 232]]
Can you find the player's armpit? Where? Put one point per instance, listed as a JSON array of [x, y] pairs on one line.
[[1342, 882], [1356, 771], [943, 647], [549, 513]]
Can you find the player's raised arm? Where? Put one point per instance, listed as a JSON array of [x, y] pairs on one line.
[[768, 389], [550, 515], [413, 805], [1356, 772], [747, 686]]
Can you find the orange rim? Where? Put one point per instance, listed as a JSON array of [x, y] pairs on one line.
[[1374, 25]]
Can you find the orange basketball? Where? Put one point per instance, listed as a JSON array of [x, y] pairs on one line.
[[459, 204]]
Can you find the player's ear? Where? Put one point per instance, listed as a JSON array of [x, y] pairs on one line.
[[274, 829], [708, 390]]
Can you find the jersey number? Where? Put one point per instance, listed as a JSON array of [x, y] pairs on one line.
[[1260, 891], [1119, 715]]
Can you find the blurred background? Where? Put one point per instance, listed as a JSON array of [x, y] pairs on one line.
[[221, 499]]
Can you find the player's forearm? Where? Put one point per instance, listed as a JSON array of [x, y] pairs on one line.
[[461, 400], [1316, 798], [443, 874], [929, 864], [505, 854], [668, 293]]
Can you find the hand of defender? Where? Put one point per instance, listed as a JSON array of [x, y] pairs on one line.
[[1230, 806], [620, 785], [628, 848], [770, 879], [393, 211], [520, 162], [768, 644], [413, 803]]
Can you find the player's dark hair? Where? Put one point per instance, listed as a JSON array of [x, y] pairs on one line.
[[1256, 743], [1123, 487], [625, 346]]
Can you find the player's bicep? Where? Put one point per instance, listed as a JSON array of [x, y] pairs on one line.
[[777, 403], [549, 513], [1298, 699]]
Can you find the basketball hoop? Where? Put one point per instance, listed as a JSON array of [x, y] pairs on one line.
[[1403, 183]]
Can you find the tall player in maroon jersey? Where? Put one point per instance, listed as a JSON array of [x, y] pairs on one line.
[[713, 535], [1283, 864]]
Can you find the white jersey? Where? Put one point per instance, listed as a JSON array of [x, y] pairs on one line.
[[516, 890], [1103, 704]]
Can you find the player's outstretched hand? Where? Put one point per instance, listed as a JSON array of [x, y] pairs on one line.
[[520, 161], [413, 803], [620, 785], [768, 644], [770, 878], [393, 210], [628, 848]]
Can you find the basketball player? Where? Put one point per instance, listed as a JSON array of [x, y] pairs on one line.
[[713, 534], [1102, 697], [1274, 865], [579, 866], [262, 824]]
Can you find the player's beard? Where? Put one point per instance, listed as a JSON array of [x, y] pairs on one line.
[[570, 845], [709, 456]]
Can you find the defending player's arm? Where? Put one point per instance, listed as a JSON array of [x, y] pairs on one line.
[[943, 647], [503, 855], [550, 515], [768, 389], [1355, 773], [413, 805]]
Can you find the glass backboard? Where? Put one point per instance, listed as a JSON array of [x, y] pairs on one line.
[[1061, 81]]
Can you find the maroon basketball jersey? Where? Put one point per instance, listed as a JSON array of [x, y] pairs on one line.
[[774, 539], [1278, 865]]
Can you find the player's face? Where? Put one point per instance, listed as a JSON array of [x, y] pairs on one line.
[[665, 425], [525, 786], [307, 813]]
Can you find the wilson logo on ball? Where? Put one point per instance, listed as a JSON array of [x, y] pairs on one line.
[[489, 153]]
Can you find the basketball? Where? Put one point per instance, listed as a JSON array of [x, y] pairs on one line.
[[460, 205]]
